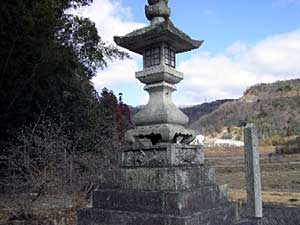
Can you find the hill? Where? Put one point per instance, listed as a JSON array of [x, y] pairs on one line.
[[274, 108], [197, 111], [193, 112]]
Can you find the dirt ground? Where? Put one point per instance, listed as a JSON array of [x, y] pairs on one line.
[[280, 175], [237, 151], [286, 198]]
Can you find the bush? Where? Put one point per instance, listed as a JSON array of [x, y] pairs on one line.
[[277, 141], [46, 157], [285, 88], [290, 147], [38, 155]]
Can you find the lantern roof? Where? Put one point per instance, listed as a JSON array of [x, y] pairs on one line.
[[163, 32]]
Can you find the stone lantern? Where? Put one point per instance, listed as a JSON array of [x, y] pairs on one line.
[[160, 121], [161, 180]]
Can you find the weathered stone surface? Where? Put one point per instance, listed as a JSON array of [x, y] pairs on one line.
[[249, 222], [254, 198], [168, 178], [160, 108], [162, 155], [140, 39], [159, 73], [223, 215], [168, 195], [177, 178], [157, 11], [161, 133], [165, 202]]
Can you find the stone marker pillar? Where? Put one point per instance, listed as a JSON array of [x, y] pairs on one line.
[[254, 199]]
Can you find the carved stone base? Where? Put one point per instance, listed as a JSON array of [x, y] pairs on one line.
[[164, 184], [162, 155]]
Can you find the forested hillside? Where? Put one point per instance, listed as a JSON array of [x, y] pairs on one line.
[[274, 108], [197, 111]]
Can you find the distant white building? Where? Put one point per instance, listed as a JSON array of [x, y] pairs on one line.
[[202, 140], [223, 143], [228, 143]]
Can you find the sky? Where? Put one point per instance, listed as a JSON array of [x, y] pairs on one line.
[[246, 42]]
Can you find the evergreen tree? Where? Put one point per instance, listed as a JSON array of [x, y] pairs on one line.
[[47, 60]]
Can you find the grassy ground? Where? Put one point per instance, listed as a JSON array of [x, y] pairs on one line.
[[280, 175]]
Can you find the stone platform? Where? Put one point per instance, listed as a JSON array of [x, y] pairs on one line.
[[163, 184]]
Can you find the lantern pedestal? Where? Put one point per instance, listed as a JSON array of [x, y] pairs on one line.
[[165, 184]]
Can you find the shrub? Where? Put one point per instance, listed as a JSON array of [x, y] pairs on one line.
[[277, 141], [291, 146], [289, 149]]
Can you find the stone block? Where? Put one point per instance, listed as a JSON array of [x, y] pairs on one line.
[[223, 215], [159, 73], [172, 178], [175, 202], [162, 155]]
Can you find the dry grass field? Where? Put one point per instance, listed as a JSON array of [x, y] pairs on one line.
[[280, 174], [234, 152], [286, 198]]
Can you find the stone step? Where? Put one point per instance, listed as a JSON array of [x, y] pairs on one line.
[[165, 179], [223, 215], [172, 178], [175, 203]]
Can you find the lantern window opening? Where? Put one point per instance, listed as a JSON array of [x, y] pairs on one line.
[[152, 57], [170, 58]]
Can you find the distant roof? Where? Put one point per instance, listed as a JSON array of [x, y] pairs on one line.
[[140, 39]]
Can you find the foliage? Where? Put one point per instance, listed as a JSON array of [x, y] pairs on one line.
[[295, 127], [277, 140], [48, 149], [285, 88], [51, 118], [197, 111], [37, 155], [47, 58], [290, 147]]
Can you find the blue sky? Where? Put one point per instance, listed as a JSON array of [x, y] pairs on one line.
[[246, 42], [222, 22]]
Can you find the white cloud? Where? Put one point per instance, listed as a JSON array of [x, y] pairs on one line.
[[228, 74], [112, 18], [117, 74], [277, 55], [207, 76]]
